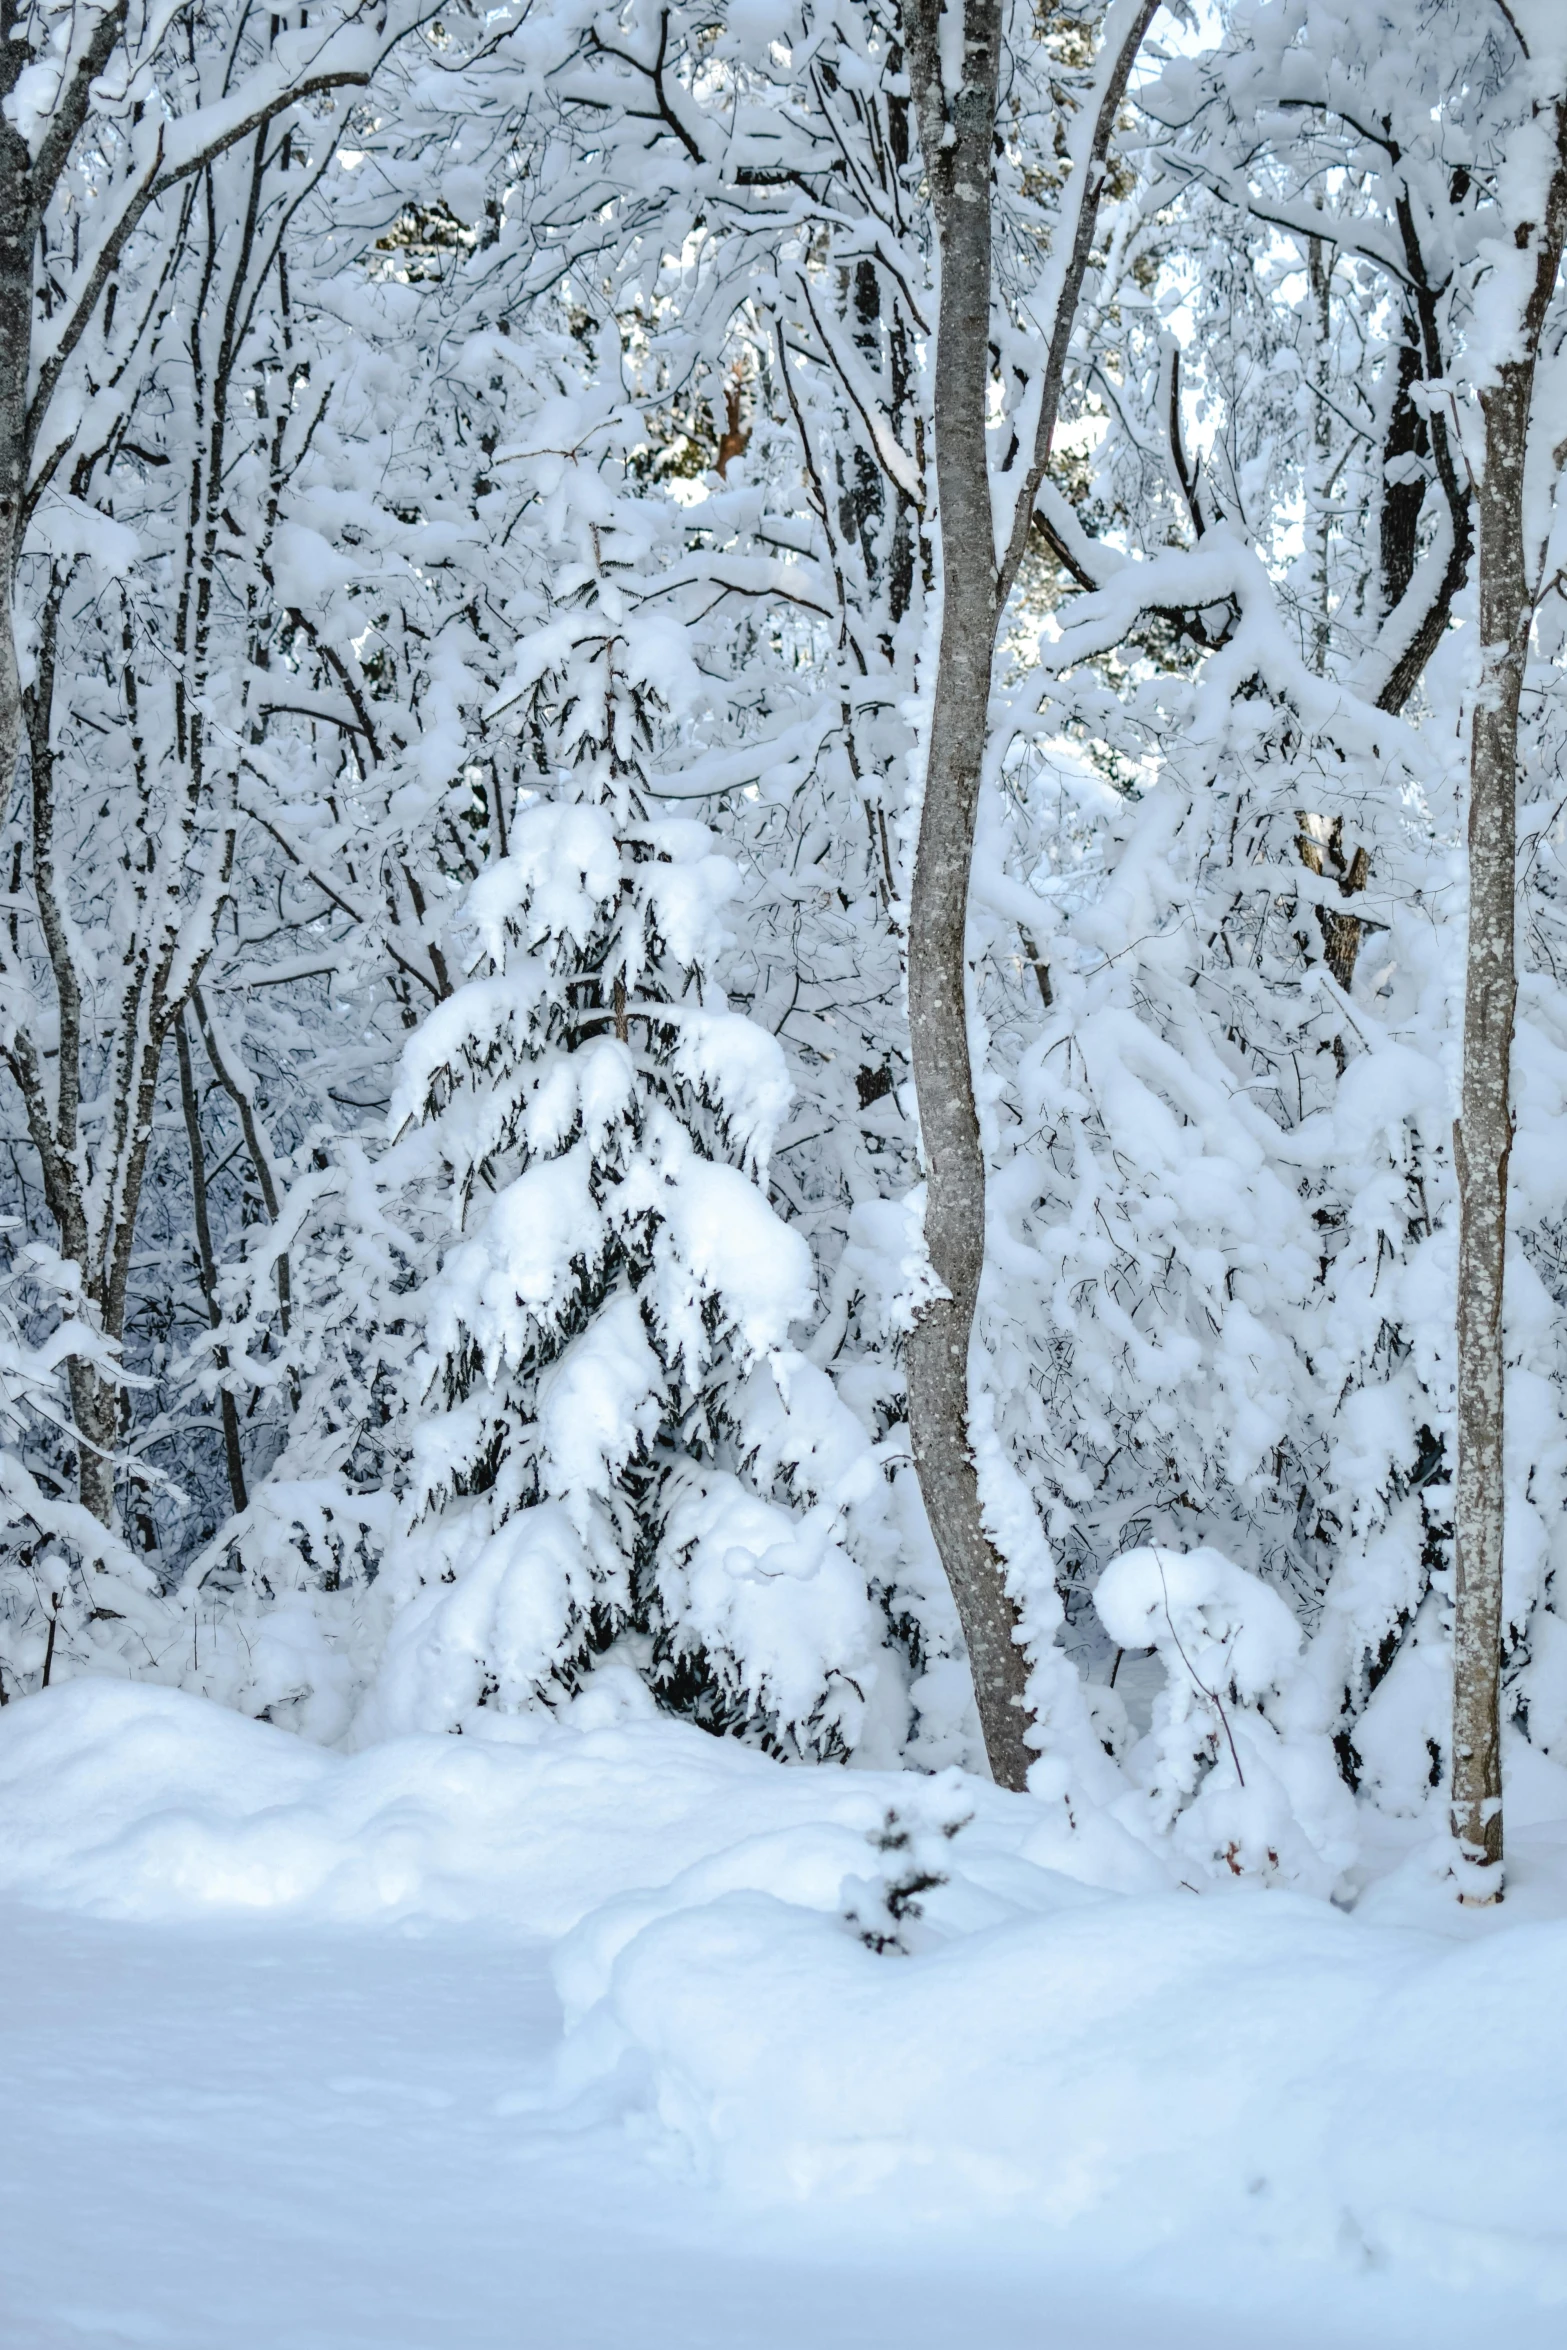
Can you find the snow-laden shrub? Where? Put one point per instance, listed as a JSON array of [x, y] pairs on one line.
[[1224, 1773], [73, 1596], [1226, 1189]]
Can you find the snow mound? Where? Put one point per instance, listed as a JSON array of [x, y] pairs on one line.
[[138, 1802], [919, 2000], [1259, 2069]]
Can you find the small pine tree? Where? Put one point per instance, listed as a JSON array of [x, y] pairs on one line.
[[618, 1447], [912, 1845]]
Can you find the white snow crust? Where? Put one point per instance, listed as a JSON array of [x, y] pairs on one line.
[[1064, 2058]]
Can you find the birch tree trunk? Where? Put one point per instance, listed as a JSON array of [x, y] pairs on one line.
[[1482, 1138]]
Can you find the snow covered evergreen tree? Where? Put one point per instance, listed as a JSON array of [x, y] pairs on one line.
[[622, 1454]]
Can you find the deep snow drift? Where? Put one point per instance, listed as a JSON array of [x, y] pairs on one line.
[[286, 2063]]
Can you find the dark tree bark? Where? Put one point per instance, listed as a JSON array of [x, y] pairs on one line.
[[1483, 1136], [957, 133], [206, 1263], [1417, 606], [1398, 527]]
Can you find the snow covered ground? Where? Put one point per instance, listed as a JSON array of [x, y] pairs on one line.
[[573, 2043]]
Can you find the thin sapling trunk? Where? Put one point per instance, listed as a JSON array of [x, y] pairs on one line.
[[1483, 1136]]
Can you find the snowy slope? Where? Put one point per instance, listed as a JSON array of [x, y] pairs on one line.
[[286, 2064]]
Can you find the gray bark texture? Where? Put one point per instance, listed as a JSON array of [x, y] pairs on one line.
[[938, 1369], [957, 133], [1483, 1135]]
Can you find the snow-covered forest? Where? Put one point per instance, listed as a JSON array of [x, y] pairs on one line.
[[784, 1028]]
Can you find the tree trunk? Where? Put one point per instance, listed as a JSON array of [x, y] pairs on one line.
[[1319, 280], [1482, 1139], [17, 225], [1482, 1144], [95, 1410], [957, 134], [938, 1354], [206, 1263]]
